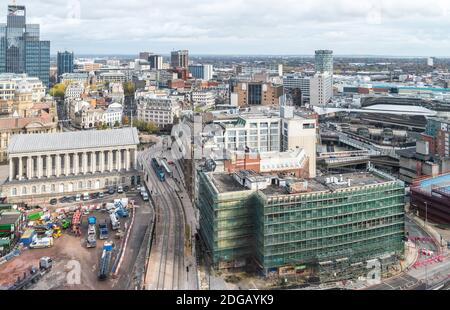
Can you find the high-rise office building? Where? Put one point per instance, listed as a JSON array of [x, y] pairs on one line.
[[321, 89], [179, 59], [155, 61], [144, 55], [21, 51], [324, 61], [202, 72], [64, 63]]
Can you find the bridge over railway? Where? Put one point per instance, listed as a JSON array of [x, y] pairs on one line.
[[365, 152]]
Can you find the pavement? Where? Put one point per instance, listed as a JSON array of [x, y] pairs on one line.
[[420, 277]]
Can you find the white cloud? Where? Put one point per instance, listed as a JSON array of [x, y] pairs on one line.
[[401, 27]]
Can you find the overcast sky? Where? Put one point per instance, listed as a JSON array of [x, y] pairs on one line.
[[298, 27]]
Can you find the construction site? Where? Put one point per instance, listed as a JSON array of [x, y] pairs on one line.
[[330, 228], [100, 245]]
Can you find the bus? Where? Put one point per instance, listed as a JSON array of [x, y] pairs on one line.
[[159, 170], [166, 167]]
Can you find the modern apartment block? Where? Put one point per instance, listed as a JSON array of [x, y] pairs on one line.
[[179, 59], [321, 89], [297, 81], [284, 224], [257, 93]]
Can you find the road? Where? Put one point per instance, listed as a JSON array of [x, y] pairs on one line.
[[422, 277], [171, 264]]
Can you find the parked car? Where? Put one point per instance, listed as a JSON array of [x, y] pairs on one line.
[[120, 189], [53, 201], [126, 189], [86, 196], [111, 190], [101, 195], [95, 195], [78, 197]]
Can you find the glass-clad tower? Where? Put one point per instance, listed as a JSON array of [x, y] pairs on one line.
[[21, 51], [324, 61], [64, 63]]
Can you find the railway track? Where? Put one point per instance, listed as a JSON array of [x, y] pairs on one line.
[[169, 239]]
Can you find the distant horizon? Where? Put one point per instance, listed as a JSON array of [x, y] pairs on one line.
[[253, 55]]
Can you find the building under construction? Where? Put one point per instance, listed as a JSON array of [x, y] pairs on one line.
[[333, 225], [431, 198]]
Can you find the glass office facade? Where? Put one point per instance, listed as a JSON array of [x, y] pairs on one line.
[[254, 94], [324, 61], [64, 63], [21, 51]]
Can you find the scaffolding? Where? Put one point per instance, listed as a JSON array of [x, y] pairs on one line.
[[285, 233]]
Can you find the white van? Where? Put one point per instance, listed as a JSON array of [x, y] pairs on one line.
[[86, 196], [78, 197]]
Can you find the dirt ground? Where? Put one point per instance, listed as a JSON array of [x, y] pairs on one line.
[[69, 251]]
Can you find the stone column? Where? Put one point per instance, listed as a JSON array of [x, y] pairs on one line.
[[49, 166], [134, 158], [94, 162], [127, 159], [67, 164], [11, 169], [75, 163], [20, 168], [110, 161], [40, 164], [84, 161], [29, 168], [58, 165], [119, 160], [102, 161]]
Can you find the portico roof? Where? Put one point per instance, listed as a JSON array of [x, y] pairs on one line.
[[77, 140]]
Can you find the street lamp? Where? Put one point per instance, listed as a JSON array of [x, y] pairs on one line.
[[426, 213]]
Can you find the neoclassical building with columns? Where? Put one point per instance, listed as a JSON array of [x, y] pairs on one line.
[[57, 164]]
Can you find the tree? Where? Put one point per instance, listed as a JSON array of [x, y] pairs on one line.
[[129, 88], [126, 120], [58, 90], [152, 128], [117, 124]]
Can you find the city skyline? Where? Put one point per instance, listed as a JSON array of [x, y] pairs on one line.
[[253, 27]]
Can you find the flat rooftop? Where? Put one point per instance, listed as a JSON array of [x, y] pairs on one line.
[[225, 182], [9, 217]]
